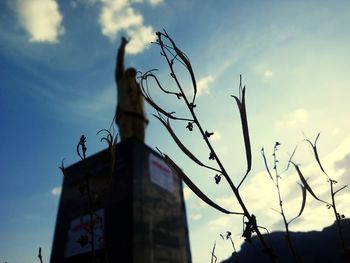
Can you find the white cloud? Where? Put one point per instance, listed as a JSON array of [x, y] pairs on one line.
[[268, 73], [196, 217], [260, 194], [139, 39], [187, 193], [230, 203], [197, 204], [41, 19], [220, 224], [56, 190], [155, 2], [336, 131], [119, 15], [203, 85], [293, 119], [216, 136]]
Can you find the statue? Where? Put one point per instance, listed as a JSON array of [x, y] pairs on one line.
[[130, 115]]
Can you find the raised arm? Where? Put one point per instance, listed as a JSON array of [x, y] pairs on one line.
[[119, 69]]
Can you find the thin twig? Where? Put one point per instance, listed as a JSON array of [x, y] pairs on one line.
[[40, 256]]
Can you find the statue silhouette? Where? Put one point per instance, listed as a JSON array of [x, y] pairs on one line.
[[130, 115]]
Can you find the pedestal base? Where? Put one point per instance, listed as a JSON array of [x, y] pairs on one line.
[[139, 212]]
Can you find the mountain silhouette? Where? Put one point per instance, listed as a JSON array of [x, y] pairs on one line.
[[314, 246]]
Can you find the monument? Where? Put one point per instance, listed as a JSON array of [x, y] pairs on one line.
[[132, 209]]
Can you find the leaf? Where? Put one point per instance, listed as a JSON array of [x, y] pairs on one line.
[[245, 130], [340, 190], [314, 147], [159, 109], [178, 142], [158, 83], [290, 158], [265, 162], [217, 179], [213, 257], [303, 191], [306, 185], [194, 188], [63, 169], [187, 62], [111, 146]]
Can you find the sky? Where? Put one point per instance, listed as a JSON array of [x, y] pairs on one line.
[[57, 60]]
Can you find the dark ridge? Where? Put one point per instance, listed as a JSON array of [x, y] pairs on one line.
[[314, 246]]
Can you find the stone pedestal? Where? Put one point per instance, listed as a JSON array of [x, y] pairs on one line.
[[139, 211]]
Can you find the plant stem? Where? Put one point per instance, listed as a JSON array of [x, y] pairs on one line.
[[337, 220], [190, 106], [280, 202]]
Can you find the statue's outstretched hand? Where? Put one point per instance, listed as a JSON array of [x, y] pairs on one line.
[[125, 41]]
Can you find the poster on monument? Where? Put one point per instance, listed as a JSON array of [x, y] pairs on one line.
[[160, 173], [79, 238]]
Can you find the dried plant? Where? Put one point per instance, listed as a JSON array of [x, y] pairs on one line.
[[276, 181], [81, 151], [173, 54], [40, 256], [213, 257], [85, 188], [228, 236], [331, 205], [111, 141]]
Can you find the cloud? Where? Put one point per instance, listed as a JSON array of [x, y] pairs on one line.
[[203, 85], [196, 217], [56, 190], [41, 19], [99, 103], [268, 73], [220, 223], [343, 166], [229, 202], [260, 194], [187, 193], [155, 2], [139, 39], [119, 15], [336, 131], [216, 136], [293, 119]]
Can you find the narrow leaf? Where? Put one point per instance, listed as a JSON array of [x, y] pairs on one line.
[[245, 130], [194, 188], [184, 58], [149, 100], [213, 257], [265, 162], [158, 83], [314, 148], [339, 190], [306, 185], [178, 142], [303, 191], [63, 169], [159, 109], [291, 157]]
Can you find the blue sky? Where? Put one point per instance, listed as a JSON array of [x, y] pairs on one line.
[[57, 62]]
